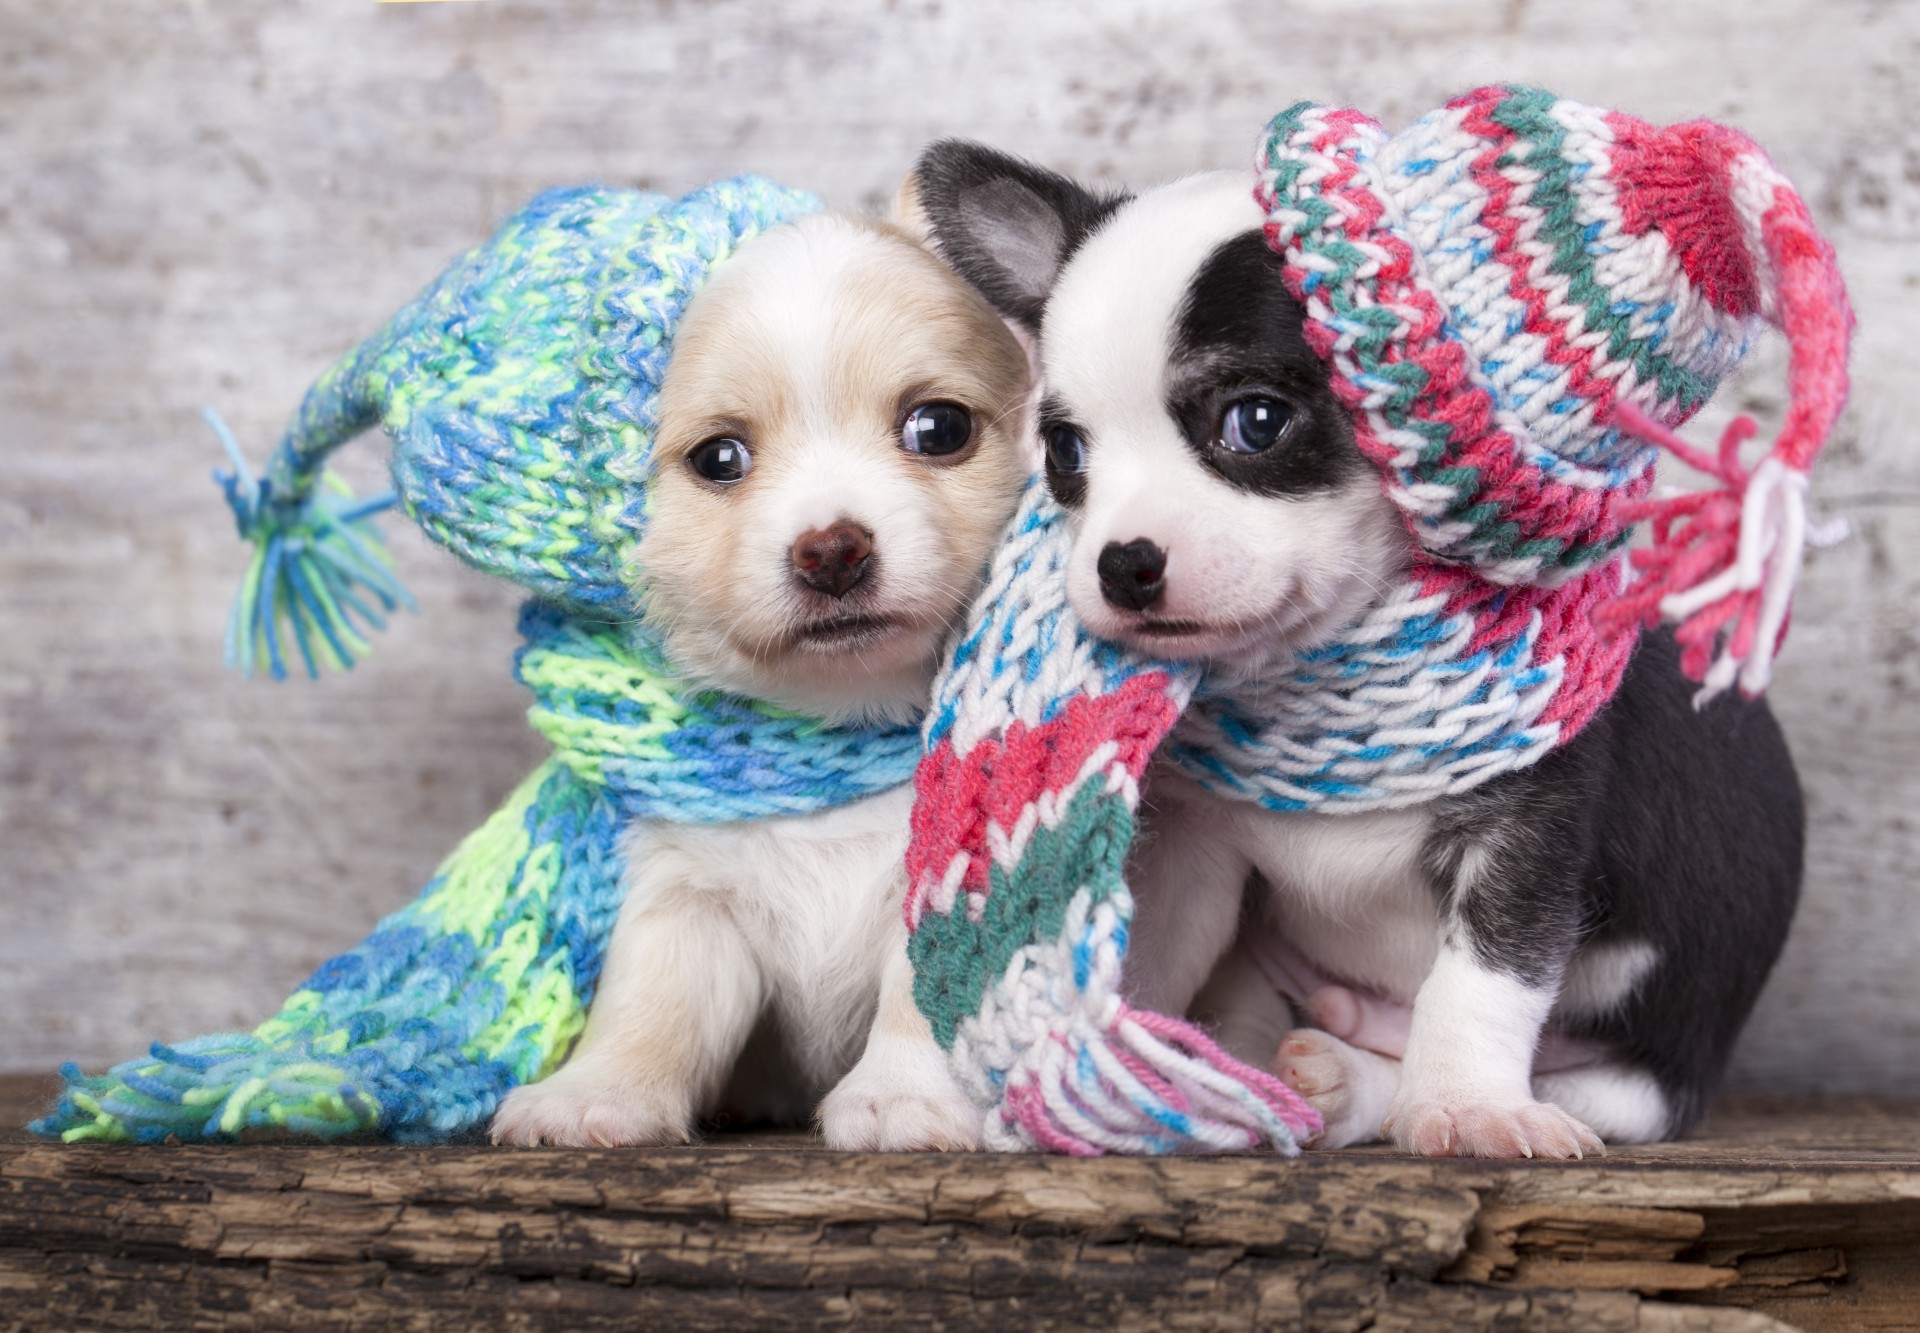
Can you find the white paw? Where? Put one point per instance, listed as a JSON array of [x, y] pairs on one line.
[[578, 1110], [1464, 1128], [1350, 1088], [900, 1105]]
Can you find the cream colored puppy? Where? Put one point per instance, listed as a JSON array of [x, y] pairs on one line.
[[839, 448]]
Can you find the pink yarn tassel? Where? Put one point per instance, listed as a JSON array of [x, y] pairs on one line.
[[1707, 570]]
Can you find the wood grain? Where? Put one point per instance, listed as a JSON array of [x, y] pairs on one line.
[[1807, 1212], [204, 201]]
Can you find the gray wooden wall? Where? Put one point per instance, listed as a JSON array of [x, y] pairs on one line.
[[205, 201]]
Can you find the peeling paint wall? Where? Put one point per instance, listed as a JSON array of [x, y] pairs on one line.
[[205, 202]]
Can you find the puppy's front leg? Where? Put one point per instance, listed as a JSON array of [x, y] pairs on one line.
[[677, 1000], [1509, 918], [901, 1096], [1188, 873]]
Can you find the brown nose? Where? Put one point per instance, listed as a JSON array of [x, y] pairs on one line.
[[833, 559]]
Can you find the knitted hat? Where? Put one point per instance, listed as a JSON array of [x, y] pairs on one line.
[[1518, 297], [519, 393]]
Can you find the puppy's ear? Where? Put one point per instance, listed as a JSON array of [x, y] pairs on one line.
[[907, 213], [1005, 225]]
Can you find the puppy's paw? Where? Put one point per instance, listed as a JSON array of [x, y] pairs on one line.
[[1489, 1129], [580, 1111], [910, 1105], [1349, 1087], [1365, 1021]]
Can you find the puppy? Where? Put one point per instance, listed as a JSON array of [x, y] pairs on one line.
[[838, 450], [1619, 896]]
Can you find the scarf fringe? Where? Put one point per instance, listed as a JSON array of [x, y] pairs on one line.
[[478, 985], [1072, 1068]]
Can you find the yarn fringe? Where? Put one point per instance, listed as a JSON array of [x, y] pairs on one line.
[[1094, 1075], [213, 1087], [319, 566], [1151, 1085], [1723, 563], [479, 984]]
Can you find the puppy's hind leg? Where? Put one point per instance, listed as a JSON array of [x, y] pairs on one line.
[[678, 997], [1620, 1103], [1351, 1088], [1242, 1009], [901, 1096]]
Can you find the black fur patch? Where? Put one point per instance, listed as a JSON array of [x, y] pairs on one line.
[[1507, 860], [1239, 335], [1659, 824], [1004, 224]]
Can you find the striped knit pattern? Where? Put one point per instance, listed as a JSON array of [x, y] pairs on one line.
[[518, 392], [1445, 682], [480, 984], [1518, 297], [620, 718], [1017, 905]]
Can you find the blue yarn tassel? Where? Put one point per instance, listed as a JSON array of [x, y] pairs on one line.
[[318, 566]]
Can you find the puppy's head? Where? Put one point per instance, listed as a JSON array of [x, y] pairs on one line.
[[837, 453], [1220, 509]]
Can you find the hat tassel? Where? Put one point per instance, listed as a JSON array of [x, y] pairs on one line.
[[319, 566], [1724, 562]]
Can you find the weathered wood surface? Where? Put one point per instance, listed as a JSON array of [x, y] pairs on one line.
[[1790, 1210], [203, 201]]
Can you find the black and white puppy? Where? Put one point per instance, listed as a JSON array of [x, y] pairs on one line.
[[1571, 949]]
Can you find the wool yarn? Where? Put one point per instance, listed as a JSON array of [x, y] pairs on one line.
[[1518, 298], [518, 391]]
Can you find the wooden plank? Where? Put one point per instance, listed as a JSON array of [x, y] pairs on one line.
[[1804, 1211]]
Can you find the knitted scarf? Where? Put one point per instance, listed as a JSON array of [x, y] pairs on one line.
[[519, 394], [1517, 297]]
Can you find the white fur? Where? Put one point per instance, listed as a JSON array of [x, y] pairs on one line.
[[1247, 570], [1349, 1087], [808, 346], [902, 1094], [1354, 1090], [1242, 1009], [798, 918], [1349, 893], [1621, 1104], [1600, 977], [1466, 1086]]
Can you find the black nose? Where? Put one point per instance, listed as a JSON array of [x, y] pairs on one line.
[[832, 560], [1133, 574]]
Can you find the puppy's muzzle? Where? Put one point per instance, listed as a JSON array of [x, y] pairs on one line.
[[833, 560], [1133, 575]]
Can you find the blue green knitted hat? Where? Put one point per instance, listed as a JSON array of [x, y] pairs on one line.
[[519, 393]]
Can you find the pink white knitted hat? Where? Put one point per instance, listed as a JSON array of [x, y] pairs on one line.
[[1519, 296]]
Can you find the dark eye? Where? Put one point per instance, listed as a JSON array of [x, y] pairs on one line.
[[936, 428], [724, 460], [1066, 451], [1254, 425]]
